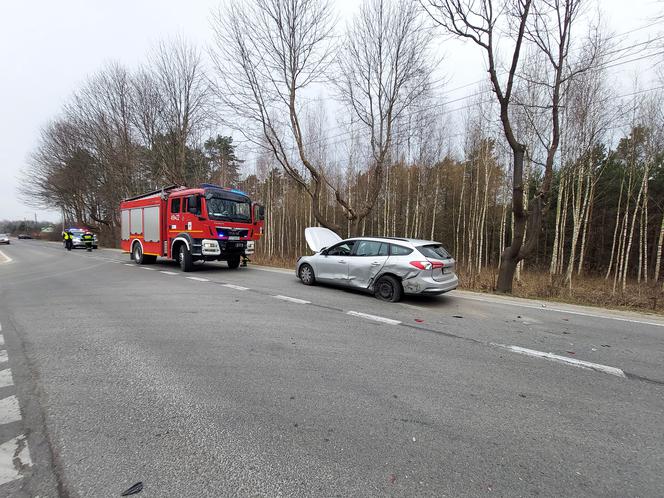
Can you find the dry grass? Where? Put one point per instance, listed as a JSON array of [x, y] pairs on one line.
[[586, 290]]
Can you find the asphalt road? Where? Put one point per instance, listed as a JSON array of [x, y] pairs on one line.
[[247, 383]]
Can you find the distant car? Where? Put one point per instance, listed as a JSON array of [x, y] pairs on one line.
[[388, 267], [24, 236], [77, 240], [4, 238]]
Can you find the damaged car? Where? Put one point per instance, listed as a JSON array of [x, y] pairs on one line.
[[388, 267]]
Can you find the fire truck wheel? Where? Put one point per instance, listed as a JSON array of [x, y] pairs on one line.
[[137, 254], [184, 258], [233, 262]]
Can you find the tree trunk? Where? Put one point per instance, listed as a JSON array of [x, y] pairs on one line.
[[660, 246], [513, 254]]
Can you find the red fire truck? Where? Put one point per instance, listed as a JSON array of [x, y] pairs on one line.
[[209, 223]]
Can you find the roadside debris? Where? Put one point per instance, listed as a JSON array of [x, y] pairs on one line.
[[135, 489], [457, 316]]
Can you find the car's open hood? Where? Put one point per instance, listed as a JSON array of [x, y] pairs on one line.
[[318, 237]]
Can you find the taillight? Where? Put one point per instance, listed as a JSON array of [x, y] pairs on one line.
[[427, 265]]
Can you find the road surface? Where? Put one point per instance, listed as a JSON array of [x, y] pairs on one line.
[[246, 383]]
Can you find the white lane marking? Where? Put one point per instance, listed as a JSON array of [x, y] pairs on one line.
[[146, 268], [9, 410], [292, 299], [598, 367], [7, 259], [14, 458], [6, 378], [236, 287], [3, 356], [168, 272], [2, 338], [198, 279], [374, 317], [129, 264], [562, 310]]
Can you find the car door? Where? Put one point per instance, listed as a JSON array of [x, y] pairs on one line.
[[332, 264], [368, 258]]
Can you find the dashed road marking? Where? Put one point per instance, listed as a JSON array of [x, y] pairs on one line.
[[9, 410], [129, 264], [374, 317], [198, 279], [14, 458], [236, 287], [6, 258], [598, 367], [146, 268], [168, 272], [6, 378], [14, 454], [292, 299]]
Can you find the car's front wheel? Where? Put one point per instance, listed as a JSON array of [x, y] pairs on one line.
[[306, 274], [388, 289]]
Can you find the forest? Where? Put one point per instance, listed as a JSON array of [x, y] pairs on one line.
[[544, 179]]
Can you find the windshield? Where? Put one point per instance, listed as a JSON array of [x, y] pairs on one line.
[[227, 209]]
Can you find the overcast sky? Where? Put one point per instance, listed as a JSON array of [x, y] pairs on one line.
[[49, 47]]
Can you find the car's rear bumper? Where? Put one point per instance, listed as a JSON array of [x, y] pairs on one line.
[[427, 285]]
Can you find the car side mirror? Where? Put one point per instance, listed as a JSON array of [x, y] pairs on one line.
[[323, 251]]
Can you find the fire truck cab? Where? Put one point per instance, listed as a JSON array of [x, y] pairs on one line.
[[208, 223]]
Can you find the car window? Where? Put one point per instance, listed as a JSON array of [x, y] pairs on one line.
[[396, 250], [370, 248], [342, 249], [435, 251]]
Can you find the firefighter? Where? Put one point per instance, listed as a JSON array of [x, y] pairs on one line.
[[88, 238], [245, 260], [67, 237]]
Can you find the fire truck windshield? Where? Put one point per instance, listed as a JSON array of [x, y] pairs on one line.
[[228, 209]]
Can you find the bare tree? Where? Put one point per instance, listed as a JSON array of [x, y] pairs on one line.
[[184, 105], [384, 68], [267, 53], [547, 26]]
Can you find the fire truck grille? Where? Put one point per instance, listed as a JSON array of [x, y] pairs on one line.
[[232, 232]]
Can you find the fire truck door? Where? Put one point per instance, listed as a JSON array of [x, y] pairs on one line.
[[175, 221]]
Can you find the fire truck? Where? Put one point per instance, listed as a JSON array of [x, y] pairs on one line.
[[208, 223]]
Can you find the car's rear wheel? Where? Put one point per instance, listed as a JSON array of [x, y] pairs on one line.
[[388, 289], [306, 274]]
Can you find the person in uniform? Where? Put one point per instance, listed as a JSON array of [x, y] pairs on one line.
[[88, 239], [67, 237]]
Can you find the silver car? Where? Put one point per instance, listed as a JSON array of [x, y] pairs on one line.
[[4, 238], [387, 267]]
